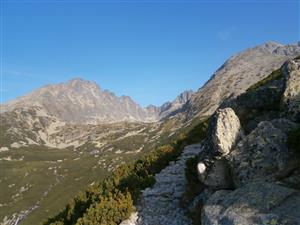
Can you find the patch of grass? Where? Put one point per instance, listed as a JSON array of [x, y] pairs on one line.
[[275, 75], [37, 170]]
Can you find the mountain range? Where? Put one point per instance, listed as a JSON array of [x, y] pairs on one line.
[[83, 102], [87, 124], [80, 101]]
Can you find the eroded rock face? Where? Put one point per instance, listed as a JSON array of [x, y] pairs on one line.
[[291, 95], [259, 155], [224, 132], [254, 204]]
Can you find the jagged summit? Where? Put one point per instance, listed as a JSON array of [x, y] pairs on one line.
[[270, 45], [82, 101], [80, 82]]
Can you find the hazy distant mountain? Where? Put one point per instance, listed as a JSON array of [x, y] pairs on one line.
[[80, 101]]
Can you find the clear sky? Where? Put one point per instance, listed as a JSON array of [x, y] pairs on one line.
[[150, 50]]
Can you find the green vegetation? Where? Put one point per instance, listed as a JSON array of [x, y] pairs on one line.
[[275, 75], [40, 170], [294, 141], [111, 201]]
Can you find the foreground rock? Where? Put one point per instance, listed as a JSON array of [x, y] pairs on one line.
[[264, 171], [254, 204], [291, 96], [160, 205], [260, 155], [224, 131]]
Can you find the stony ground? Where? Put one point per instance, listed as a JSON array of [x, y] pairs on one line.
[[160, 204]]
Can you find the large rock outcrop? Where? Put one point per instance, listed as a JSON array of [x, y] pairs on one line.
[[254, 204], [259, 155], [264, 171], [291, 95], [224, 132]]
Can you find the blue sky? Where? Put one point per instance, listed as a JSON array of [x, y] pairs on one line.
[[149, 50]]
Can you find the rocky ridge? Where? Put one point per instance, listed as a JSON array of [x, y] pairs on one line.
[[238, 73], [258, 164]]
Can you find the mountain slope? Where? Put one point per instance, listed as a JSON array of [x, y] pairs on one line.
[[238, 73]]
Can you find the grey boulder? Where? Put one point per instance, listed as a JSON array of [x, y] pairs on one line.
[[254, 204], [224, 131], [259, 155]]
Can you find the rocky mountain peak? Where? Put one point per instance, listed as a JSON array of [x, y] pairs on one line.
[[82, 101], [81, 83], [184, 97], [270, 46]]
